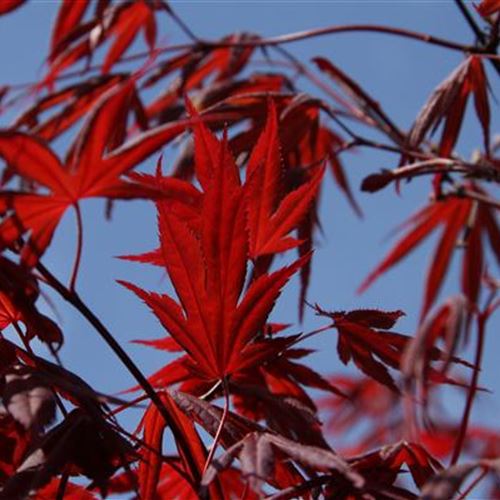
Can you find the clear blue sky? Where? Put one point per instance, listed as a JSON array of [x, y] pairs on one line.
[[399, 73]]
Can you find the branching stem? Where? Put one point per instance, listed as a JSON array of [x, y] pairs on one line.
[[218, 434], [74, 299], [472, 485], [470, 21], [284, 39]]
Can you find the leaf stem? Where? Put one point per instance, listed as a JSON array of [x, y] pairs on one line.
[[314, 332], [473, 195], [472, 485], [481, 321], [74, 299], [211, 391], [79, 246], [225, 413], [182, 25], [63, 482]]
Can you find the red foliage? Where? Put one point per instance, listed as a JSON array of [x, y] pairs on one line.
[[243, 192]]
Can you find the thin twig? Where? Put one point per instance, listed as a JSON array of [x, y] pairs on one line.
[[182, 25], [468, 193], [79, 245], [225, 413], [74, 299], [63, 482], [281, 40], [472, 485], [314, 33], [471, 22], [481, 323]]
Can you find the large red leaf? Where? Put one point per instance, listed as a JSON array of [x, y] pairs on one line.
[[90, 171], [214, 323]]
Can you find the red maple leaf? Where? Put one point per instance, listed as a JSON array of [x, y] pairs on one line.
[[214, 322], [363, 337], [270, 219], [458, 216], [89, 171], [448, 102], [73, 40]]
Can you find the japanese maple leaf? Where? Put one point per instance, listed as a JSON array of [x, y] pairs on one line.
[[363, 337], [88, 172], [18, 294], [448, 102], [362, 105], [128, 20], [291, 176], [271, 219], [457, 216], [384, 465], [73, 40], [198, 64], [273, 390], [68, 105], [261, 452], [446, 324], [213, 323], [88, 445]]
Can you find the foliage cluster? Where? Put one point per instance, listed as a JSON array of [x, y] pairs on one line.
[[234, 414]]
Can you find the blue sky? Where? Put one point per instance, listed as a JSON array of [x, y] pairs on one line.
[[399, 73]]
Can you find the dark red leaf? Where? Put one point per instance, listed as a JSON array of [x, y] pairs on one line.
[[488, 7], [28, 399], [68, 17], [9, 5]]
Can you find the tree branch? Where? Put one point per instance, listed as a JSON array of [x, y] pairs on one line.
[[471, 22], [74, 299]]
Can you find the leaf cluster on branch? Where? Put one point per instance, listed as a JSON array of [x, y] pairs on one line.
[[236, 413]]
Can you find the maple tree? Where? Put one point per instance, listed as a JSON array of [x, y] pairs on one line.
[[235, 412]]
